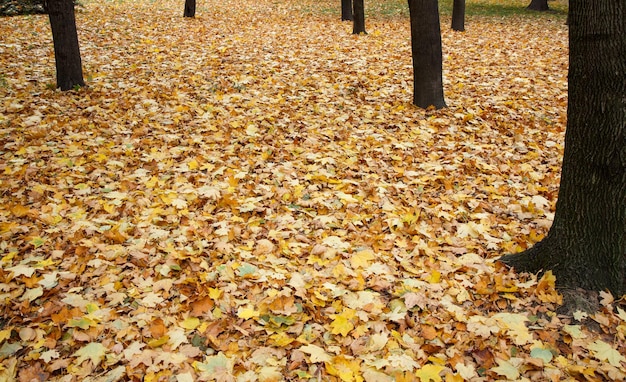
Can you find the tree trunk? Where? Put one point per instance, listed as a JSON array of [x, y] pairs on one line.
[[586, 245], [346, 10], [458, 15], [190, 8], [65, 38], [426, 52], [359, 17], [538, 5]]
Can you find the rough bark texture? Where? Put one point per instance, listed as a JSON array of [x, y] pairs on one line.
[[426, 52], [346, 10], [66, 51], [190, 8], [458, 15], [359, 17], [586, 245], [539, 5]]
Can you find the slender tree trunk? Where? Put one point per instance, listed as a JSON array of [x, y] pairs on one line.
[[538, 5], [426, 52], [346, 10], [190, 8], [65, 38], [586, 245], [359, 17], [458, 15]]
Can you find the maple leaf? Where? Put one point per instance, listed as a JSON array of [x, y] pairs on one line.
[[342, 323], [217, 365], [507, 368], [605, 352], [190, 323], [247, 312], [466, 371], [176, 337], [346, 369], [515, 325], [93, 351], [317, 353], [184, 377], [430, 372], [9, 349], [544, 354], [270, 374]]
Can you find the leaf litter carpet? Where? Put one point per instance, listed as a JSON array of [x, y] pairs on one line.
[[250, 196]]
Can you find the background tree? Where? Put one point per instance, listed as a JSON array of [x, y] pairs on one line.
[[458, 15], [586, 245], [65, 39], [346, 10], [538, 5], [426, 52], [190, 8], [359, 17]]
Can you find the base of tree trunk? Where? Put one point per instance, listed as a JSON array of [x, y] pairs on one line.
[[574, 299], [190, 8], [540, 6], [578, 299], [565, 262], [528, 261], [551, 254]]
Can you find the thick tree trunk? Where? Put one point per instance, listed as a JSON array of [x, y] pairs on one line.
[[346, 10], [426, 52], [538, 5], [190, 8], [586, 245], [359, 17], [65, 38], [458, 15]]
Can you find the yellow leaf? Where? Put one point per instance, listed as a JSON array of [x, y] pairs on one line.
[[159, 341], [346, 369], [94, 351], [190, 323], [152, 182], [362, 259], [430, 372], [246, 313], [215, 293], [341, 325], [108, 207], [317, 353], [270, 374], [4, 334], [605, 352], [435, 277], [281, 339], [193, 164]]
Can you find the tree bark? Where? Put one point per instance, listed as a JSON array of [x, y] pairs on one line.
[[69, 68], [586, 245], [458, 15], [538, 5], [190, 8], [359, 17], [426, 53], [346, 10]]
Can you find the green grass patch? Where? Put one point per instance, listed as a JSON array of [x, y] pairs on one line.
[[481, 8]]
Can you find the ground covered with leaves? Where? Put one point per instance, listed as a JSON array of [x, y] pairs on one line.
[[21, 7], [250, 196]]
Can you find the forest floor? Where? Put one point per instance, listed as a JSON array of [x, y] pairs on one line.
[[21, 7], [250, 196]]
